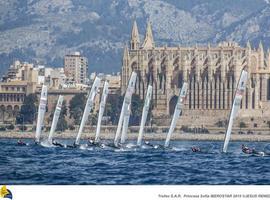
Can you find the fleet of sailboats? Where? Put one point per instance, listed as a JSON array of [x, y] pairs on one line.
[[123, 122]]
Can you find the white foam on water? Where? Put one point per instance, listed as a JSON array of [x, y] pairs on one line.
[[130, 145], [146, 147], [179, 149], [46, 144], [83, 147]]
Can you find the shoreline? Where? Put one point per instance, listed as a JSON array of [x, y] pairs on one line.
[[147, 136]]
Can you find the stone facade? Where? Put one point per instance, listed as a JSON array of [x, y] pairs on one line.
[[212, 73]]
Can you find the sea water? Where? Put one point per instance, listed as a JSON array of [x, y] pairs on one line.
[[36, 164]]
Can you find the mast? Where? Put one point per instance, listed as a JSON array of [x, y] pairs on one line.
[[41, 112], [235, 107], [88, 107], [55, 117], [177, 111], [145, 113], [101, 109], [126, 103], [125, 124]]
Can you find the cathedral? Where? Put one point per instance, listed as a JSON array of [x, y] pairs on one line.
[[212, 73]]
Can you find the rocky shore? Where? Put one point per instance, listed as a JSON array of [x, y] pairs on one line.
[[147, 136]]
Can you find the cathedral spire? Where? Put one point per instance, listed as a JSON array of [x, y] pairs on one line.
[[261, 46], [126, 54], [135, 37], [248, 45], [148, 40]]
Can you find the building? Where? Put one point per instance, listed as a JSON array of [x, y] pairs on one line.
[[114, 81], [212, 73], [76, 68], [20, 80]]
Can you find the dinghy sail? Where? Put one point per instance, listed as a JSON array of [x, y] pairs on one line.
[[101, 109], [55, 117], [236, 106], [125, 124], [88, 107], [145, 113], [41, 112], [126, 103], [177, 111]]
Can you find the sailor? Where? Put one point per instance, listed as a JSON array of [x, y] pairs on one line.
[[195, 149], [93, 143], [247, 150], [148, 144], [21, 143], [55, 143]]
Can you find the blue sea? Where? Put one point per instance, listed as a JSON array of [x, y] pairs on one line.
[[36, 164]]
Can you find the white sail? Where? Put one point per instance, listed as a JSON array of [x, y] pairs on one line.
[[126, 102], [145, 113], [125, 124], [235, 107], [41, 112], [177, 111], [101, 109], [55, 117], [88, 107]]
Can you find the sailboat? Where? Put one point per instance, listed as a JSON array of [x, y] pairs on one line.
[[236, 106], [55, 118], [125, 111], [144, 113], [177, 111], [101, 109], [41, 112], [88, 108]]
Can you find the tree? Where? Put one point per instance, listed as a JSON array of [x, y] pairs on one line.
[[136, 110], [28, 110], [3, 111], [113, 108], [76, 107]]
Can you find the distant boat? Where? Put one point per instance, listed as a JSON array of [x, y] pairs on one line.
[[41, 112], [101, 109], [145, 113], [55, 117], [124, 116], [177, 111], [235, 107], [88, 107]]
